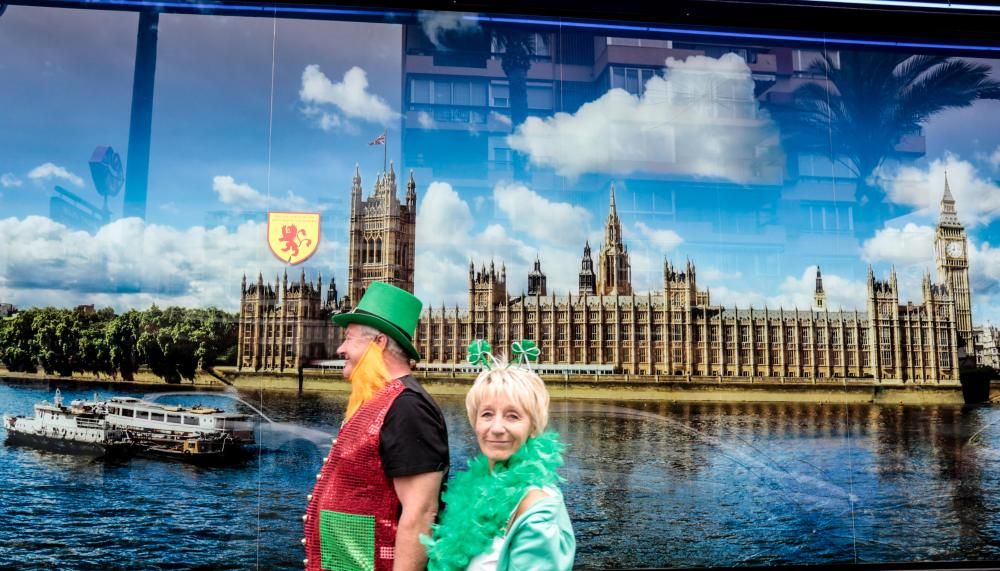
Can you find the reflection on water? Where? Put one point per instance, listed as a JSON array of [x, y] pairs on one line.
[[648, 484]]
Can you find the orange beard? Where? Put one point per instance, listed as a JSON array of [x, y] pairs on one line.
[[367, 378]]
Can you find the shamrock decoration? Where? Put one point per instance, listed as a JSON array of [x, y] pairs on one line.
[[479, 353], [525, 351]]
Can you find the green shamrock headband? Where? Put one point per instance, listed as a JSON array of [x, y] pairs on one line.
[[524, 352]]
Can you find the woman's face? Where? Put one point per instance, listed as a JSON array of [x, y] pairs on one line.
[[501, 428]]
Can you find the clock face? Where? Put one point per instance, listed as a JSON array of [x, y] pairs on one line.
[[954, 249]]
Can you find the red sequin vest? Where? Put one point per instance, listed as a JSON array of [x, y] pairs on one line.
[[351, 520]]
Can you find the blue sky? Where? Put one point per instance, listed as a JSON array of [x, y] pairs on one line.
[[229, 142]]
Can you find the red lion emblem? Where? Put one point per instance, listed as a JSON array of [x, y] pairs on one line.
[[290, 236]]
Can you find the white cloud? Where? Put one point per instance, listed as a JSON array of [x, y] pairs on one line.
[[436, 23], [49, 170], [558, 223], [425, 120], [328, 122], [350, 96], [712, 274], [646, 265], [500, 118], [8, 180], [799, 292], [910, 245], [131, 264], [442, 208], [324, 120], [665, 240], [449, 236], [675, 127], [977, 199], [995, 159], [728, 297], [984, 270], [911, 251], [796, 292], [242, 195]]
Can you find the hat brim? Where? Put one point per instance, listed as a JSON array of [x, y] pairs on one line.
[[345, 319]]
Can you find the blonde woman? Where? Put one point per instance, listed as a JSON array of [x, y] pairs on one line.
[[506, 511]]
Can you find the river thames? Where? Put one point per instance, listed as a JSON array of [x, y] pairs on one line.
[[648, 485]]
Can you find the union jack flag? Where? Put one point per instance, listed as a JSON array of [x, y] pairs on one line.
[[380, 140]]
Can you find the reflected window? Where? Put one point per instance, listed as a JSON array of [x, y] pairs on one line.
[[802, 59], [499, 94]]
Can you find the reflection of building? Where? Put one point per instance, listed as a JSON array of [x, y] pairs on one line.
[[458, 103], [676, 331], [614, 273], [679, 332], [382, 235], [463, 88], [987, 345], [283, 326], [953, 263], [7, 309]]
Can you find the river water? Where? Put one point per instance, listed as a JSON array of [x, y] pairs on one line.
[[648, 485]]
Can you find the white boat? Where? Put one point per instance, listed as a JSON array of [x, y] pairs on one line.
[[137, 415], [131, 426], [80, 428], [195, 434]]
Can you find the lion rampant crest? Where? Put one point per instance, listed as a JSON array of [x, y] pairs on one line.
[[293, 236]]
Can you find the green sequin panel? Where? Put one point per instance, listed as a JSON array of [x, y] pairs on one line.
[[347, 541]]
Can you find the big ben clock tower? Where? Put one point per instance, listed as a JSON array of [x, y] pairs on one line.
[[951, 251]]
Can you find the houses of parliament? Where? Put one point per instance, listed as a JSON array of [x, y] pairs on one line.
[[674, 332]]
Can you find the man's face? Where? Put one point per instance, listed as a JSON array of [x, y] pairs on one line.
[[355, 344]]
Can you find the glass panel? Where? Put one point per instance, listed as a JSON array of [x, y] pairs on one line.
[[739, 277]]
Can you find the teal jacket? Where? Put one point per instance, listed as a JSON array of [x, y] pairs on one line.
[[541, 539]]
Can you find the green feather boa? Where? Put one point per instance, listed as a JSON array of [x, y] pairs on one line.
[[478, 503]]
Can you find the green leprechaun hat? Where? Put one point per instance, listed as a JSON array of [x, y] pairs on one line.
[[391, 310]]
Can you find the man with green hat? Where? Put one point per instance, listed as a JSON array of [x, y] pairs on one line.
[[379, 488]]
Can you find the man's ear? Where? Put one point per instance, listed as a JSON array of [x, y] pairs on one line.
[[382, 340]]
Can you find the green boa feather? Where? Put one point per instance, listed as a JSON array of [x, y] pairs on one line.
[[478, 503]]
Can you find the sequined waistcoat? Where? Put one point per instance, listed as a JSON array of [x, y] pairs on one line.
[[351, 520]]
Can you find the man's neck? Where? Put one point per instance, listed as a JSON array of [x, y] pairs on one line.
[[398, 370]]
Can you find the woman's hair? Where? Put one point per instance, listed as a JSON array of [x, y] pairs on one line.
[[520, 385]]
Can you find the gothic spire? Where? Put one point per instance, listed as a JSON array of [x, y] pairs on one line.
[[949, 216], [613, 228]]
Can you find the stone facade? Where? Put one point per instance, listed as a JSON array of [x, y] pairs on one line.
[[283, 326], [676, 331], [679, 332], [382, 236], [987, 346]]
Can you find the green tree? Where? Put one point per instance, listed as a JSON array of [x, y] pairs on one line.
[[18, 349], [870, 101], [214, 332], [56, 332], [95, 351], [167, 344], [122, 337]]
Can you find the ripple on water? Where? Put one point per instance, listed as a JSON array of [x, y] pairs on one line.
[[648, 484]]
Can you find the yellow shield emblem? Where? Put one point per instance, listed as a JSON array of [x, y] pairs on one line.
[[293, 236]]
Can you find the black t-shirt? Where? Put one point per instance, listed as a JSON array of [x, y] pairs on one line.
[[414, 439]]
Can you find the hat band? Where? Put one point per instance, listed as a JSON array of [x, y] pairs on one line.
[[396, 327]]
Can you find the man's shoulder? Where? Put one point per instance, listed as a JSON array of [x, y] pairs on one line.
[[412, 389], [412, 384]]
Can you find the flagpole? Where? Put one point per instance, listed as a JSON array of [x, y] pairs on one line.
[[385, 150]]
